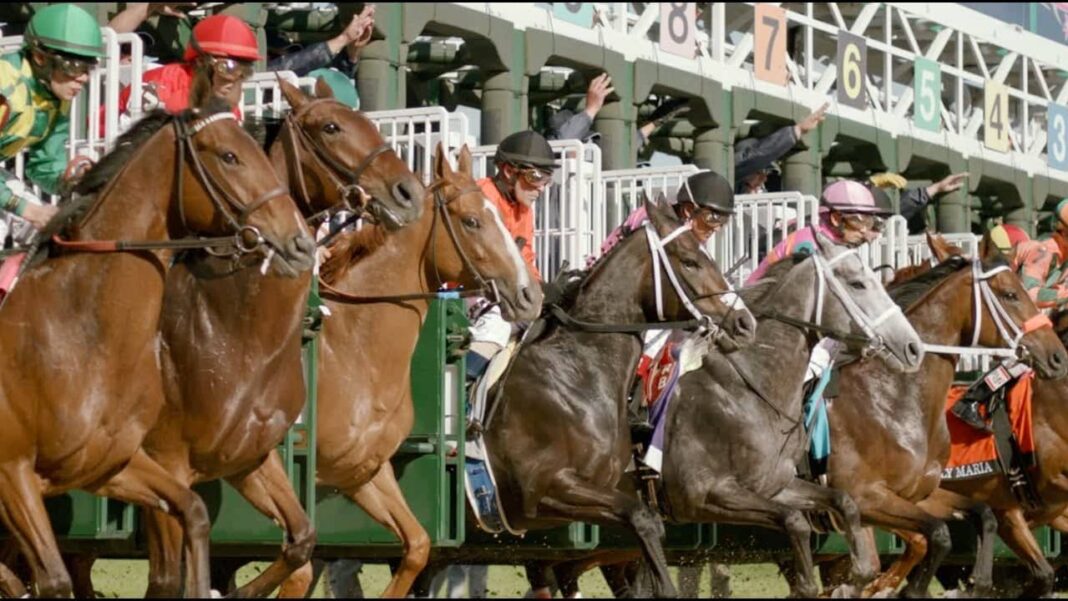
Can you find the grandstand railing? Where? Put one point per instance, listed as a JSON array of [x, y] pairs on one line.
[[623, 192], [262, 93], [414, 134], [760, 222]]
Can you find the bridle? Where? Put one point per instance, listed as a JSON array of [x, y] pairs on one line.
[[245, 239], [346, 181], [486, 287], [983, 294]]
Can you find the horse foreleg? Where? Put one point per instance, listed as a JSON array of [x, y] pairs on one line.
[[571, 497], [23, 512], [882, 507], [915, 550], [383, 500], [1013, 529], [11, 585], [808, 496], [145, 483], [268, 489], [163, 534], [80, 567], [568, 572], [946, 504]]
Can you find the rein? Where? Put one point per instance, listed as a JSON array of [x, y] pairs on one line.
[[246, 238], [440, 212], [326, 163]]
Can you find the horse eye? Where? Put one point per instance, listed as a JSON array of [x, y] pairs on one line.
[[1010, 295], [331, 128], [229, 158], [689, 264], [470, 222], [857, 285]]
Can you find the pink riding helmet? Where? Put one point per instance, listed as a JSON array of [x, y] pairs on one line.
[[847, 196]]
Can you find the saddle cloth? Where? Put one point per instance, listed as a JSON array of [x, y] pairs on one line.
[[973, 453]]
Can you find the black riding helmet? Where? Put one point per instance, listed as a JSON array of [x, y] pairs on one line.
[[526, 148], [708, 189]]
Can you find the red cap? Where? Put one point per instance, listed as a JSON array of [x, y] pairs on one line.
[[223, 35]]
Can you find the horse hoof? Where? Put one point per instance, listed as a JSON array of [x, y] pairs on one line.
[[955, 594], [216, 594], [846, 591]]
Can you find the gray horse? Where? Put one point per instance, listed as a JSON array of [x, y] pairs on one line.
[[735, 436]]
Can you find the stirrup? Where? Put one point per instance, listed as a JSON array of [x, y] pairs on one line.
[[969, 414]]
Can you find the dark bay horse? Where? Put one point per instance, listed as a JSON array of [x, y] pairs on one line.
[[80, 378], [365, 408], [889, 432], [559, 441], [235, 386]]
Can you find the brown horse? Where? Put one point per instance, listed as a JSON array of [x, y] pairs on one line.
[[79, 398], [365, 408], [235, 386], [889, 449]]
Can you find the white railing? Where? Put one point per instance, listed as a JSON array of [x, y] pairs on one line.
[[760, 222], [565, 212], [919, 251], [623, 191], [890, 250], [261, 92], [414, 134]]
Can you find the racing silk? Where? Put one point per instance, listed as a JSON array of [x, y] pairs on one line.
[[34, 120], [169, 85], [518, 220], [799, 241], [1040, 266]]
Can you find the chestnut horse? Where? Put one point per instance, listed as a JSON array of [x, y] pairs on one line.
[[235, 386], [365, 408], [79, 398], [889, 449]]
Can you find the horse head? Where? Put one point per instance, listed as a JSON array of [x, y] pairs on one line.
[[338, 151], [684, 282], [471, 245], [858, 303], [227, 186], [1006, 314]]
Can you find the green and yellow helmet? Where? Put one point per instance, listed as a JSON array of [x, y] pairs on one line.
[[65, 28]]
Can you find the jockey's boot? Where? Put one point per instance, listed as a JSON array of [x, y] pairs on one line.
[[968, 411]]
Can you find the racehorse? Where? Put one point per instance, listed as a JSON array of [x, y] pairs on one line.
[[365, 408], [888, 430], [235, 386], [558, 441], [80, 378]]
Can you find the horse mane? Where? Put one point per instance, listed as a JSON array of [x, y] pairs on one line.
[[760, 289], [78, 198], [575, 280], [910, 291], [348, 249]]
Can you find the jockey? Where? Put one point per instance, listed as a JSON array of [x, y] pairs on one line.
[[220, 56], [849, 215], [525, 165], [1039, 263], [37, 84]]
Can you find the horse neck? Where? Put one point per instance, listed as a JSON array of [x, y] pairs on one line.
[[136, 205], [279, 156], [610, 296], [401, 265]]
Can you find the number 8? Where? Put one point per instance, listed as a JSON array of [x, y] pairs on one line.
[[678, 11]]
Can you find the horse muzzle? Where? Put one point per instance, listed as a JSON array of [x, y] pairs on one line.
[[291, 258]]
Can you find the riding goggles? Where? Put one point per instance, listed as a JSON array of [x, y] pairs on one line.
[[71, 67], [856, 222], [231, 67], [711, 217], [535, 176]]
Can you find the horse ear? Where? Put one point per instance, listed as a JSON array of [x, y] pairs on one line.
[[987, 249], [938, 245], [323, 89], [442, 168], [464, 163], [294, 95]]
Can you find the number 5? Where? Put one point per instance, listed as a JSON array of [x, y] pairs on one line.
[[928, 92]]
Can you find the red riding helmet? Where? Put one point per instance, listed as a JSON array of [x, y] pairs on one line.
[[226, 36]]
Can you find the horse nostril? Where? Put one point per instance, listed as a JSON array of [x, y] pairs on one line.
[[744, 325], [1056, 360], [912, 353], [402, 194]]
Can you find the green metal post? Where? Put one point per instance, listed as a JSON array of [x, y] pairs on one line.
[[801, 172], [953, 213], [616, 142], [380, 78], [500, 107], [1021, 217], [712, 150]]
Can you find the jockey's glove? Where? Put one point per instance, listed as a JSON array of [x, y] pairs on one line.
[[19, 195]]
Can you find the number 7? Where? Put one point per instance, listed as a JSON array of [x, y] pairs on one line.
[[773, 23]]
